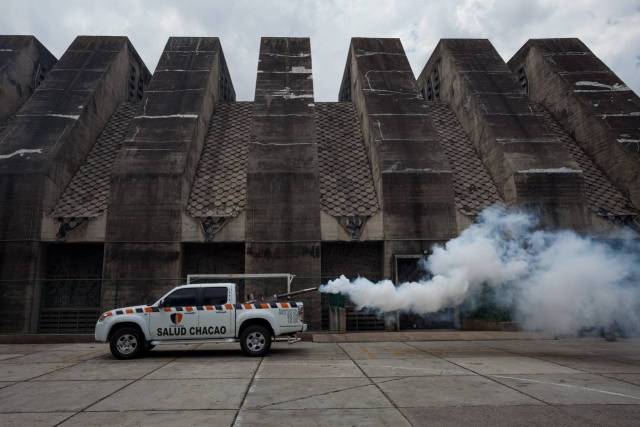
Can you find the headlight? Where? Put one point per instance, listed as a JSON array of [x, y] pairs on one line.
[[104, 316], [301, 313]]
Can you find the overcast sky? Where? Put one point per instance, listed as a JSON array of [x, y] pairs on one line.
[[611, 28]]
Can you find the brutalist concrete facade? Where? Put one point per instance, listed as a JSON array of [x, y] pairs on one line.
[[115, 183], [283, 194]]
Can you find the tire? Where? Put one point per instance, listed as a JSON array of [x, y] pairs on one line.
[[127, 343], [255, 341]]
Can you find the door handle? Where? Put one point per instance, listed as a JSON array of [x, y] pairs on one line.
[[189, 312]]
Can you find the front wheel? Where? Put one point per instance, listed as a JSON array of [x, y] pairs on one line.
[[126, 343], [255, 341]]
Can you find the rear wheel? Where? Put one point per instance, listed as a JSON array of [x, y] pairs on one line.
[[127, 343], [255, 341]]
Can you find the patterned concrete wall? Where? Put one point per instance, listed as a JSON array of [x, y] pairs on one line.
[[590, 101], [24, 64], [43, 147], [151, 179], [527, 161], [283, 197], [410, 168]]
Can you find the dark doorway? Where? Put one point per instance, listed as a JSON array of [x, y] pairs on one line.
[[70, 298], [408, 269], [353, 259]]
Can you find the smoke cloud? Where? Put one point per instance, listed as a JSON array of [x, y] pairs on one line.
[[553, 281]]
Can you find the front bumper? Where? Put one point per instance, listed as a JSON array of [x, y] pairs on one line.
[[101, 331]]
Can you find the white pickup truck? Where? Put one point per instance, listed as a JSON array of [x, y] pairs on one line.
[[199, 313]]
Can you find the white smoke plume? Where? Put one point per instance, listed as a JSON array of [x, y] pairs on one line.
[[558, 282]]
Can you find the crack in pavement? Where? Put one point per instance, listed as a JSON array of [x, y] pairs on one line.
[[377, 384], [568, 385], [83, 410], [318, 394], [483, 376]]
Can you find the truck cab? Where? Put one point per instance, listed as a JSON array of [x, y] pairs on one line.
[[205, 312]]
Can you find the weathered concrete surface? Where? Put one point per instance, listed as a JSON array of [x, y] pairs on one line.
[[590, 101], [277, 368], [312, 351], [230, 368], [628, 378], [527, 162], [178, 385], [57, 356], [424, 335], [176, 394], [47, 419], [460, 390], [322, 417], [52, 396], [214, 418], [410, 169], [319, 393], [152, 176], [521, 415], [26, 371], [594, 363], [101, 371], [499, 364], [382, 350], [425, 366], [24, 64], [585, 388], [283, 195], [43, 146]]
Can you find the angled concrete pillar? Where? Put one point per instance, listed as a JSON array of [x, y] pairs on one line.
[[527, 161], [24, 64], [590, 101], [283, 197], [412, 173], [152, 176], [42, 148]]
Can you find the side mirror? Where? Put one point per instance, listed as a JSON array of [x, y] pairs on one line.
[[161, 303]]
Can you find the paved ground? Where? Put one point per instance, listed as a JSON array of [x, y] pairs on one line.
[[493, 382]]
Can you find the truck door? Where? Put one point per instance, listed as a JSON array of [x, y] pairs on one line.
[[177, 318], [216, 316]]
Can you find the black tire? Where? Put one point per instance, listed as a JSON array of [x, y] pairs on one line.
[[255, 341], [127, 343]]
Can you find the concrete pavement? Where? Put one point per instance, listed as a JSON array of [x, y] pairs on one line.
[[484, 382]]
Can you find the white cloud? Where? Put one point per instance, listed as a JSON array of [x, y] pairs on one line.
[[611, 29]]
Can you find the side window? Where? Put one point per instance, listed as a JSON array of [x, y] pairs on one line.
[[214, 296], [182, 297]]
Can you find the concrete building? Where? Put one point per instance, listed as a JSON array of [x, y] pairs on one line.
[[115, 183]]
